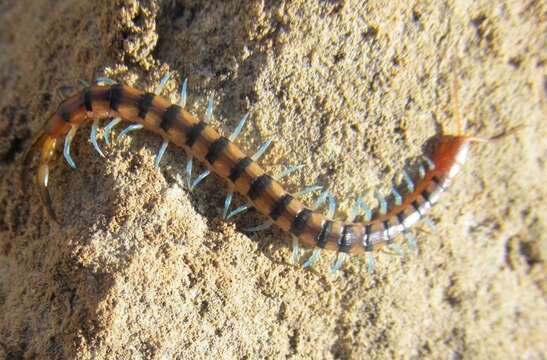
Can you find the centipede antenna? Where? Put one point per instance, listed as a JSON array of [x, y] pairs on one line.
[[68, 142], [429, 162], [103, 80], [397, 198], [340, 258], [421, 171], [189, 166], [460, 122], [108, 128], [209, 112], [410, 240], [227, 203], [408, 181], [308, 189], [265, 225], [128, 129], [295, 250], [93, 136], [199, 179], [382, 203], [237, 210], [313, 258], [371, 264], [262, 149], [183, 94], [238, 128], [162, 83], [161, 151]]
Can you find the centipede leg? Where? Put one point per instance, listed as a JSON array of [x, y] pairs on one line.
[[93, 136], [161, 151], [108, 128], [68, 141], [162, 83], [183, 94], [128, 130]]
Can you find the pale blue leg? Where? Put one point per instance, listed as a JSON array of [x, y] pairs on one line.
[[340, 258], [227, 202], [237, 210], [261, 150], [421, 171], [162, 83], [382, 203], [396, 248], [108, 128], [331, 207], [397, 198], [103, 80], [320, 199], [209, 112], [93, 136], [265, 225], [313, 258], [429, 224], [183, 94], [238, 128], [189, 166], [295, 250], [200, 178], [128, 130], [430, 163], [368, 212], [289, 170], [355, 209], [161, 151], [408, 181], [308, 189], [68, 142], [370, 262], [410, 241]]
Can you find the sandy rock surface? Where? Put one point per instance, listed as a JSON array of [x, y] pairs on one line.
[[355, 91]]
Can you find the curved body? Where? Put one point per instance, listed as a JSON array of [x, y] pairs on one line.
[[224, 158]]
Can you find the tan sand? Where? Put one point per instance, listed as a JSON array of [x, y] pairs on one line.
[[143, 269]]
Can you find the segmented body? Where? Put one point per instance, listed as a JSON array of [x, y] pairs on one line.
[[223, 157]]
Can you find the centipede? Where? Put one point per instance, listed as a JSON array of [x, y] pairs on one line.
[[363, 231]]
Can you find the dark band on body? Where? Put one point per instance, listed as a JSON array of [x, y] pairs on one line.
[[346, 240], [169, 117], [258, 186], [115, 95], [145, 101], [216, 148], [321, 239], [300, 222], [239, 169], [88, 101], [280, 206], [194, 133]]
